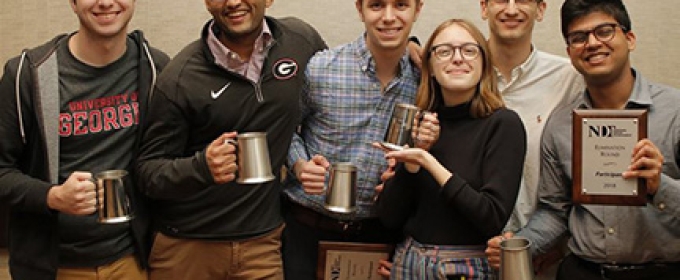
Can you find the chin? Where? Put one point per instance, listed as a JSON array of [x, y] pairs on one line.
[[108, 33], [390, 45], [599, 77], [457, 86], [511, 35], [597, 71]]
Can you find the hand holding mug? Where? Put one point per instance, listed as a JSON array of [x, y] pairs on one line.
[[76, 196], [221, 158], [493, 249], [425, 130], [312, 174]]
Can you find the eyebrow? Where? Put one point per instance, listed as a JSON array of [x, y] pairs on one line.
[[591, 29]]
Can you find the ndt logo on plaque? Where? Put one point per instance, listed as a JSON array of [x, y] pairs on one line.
[[608, 131]]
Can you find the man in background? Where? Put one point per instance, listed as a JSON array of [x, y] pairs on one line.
[[532, 84]]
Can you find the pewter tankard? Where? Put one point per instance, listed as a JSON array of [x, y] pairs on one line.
[[342, 188], [113, 203], [400, 126], [254, 165], [516, 260]]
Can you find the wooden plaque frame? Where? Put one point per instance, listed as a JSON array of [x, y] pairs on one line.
[[579, 191], [350, 251]]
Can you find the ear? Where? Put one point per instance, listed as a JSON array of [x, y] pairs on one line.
[[73, 4], [541, 10], [418, 9], [631, 39], [268, 3], [568, 50], [484, 6], [358, 4]]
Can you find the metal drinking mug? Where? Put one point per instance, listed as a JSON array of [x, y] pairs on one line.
[[342, 188], [400, 126], [516, 260], [254, 164], [113, 203]]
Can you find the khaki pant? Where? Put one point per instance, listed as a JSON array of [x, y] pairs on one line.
[[254, 258], [126, 268]]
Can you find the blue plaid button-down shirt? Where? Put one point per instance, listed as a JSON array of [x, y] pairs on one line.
[[344, 110]]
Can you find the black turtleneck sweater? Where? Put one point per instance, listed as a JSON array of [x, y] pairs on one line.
[[486, 157]]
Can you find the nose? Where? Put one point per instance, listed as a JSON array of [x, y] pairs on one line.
[[105, 3], [511, 8], [233, 3], [389, 14], [457, 56], [592, 40]]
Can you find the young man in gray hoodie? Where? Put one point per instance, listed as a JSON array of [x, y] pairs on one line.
[[73, 107]]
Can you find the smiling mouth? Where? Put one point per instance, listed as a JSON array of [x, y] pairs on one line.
[[512, 21], [598, 57], [389, 30], [106, 16], [457, 71], [236, 14]]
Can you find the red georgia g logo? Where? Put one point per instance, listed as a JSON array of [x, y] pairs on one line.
[[285, 69]]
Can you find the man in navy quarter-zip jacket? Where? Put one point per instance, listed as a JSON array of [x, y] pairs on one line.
[[243, 75]]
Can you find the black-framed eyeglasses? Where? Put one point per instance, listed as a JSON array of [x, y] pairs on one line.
[[446, 52], [604, 33]]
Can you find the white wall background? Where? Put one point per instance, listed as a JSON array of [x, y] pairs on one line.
[[170, 25]]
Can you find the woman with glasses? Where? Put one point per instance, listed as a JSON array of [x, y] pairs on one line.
[[451, 199]]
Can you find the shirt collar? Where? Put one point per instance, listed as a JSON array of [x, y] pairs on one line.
[[368, 63], [530, 62], [519, 70], [222, 52], [639, 97]]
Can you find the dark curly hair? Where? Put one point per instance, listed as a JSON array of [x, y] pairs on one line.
[[576, 9]]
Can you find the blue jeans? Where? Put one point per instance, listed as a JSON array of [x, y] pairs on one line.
[[413, 260]]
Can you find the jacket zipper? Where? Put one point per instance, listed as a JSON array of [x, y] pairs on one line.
[[258, 91], [258, 85]]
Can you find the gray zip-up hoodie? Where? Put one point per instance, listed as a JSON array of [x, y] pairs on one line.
[[29, 155]]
